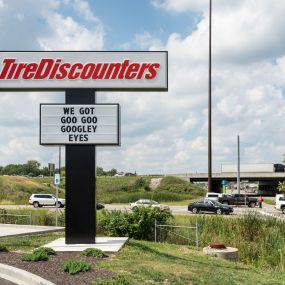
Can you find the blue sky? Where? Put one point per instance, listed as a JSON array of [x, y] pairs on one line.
[[161, 132], [124, 19]]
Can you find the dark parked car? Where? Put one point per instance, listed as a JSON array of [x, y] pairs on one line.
[[210, 207], [130, 174]]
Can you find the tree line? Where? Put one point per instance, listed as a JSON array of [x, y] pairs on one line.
[[33, 169]]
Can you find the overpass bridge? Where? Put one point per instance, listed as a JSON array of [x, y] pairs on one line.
[[268, 181]]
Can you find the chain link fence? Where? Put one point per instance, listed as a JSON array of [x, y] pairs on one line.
[[176, 234]]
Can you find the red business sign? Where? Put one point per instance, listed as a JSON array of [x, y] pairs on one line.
[[98, 70]]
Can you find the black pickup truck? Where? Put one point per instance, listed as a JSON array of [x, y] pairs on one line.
[[238, 199]]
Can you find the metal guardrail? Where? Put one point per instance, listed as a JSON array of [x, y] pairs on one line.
[[5, 218]]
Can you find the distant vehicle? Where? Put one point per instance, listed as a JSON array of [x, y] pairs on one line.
[[208, 206], [213, 196], [238, 199], [39, 200], [280, 202], [119, 174], [130, 174], [147, 203]]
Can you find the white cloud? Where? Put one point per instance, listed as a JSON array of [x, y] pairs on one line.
[[181, 5], [67, 34], [166, 132], [248, 84], [84, 8]]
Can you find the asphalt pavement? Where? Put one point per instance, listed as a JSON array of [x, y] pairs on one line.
[[176, 210]]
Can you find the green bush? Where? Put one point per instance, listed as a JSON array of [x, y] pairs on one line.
[[3, 248], [142, 183], [94, 252], [74, 266], [138, 224], [35, 256], [117, 280], [47, 250], [178, 185]]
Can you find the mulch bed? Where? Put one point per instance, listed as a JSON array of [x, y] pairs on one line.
[[52, 269]]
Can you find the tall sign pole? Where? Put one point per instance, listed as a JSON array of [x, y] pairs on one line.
[[210, 103], [80, 163]]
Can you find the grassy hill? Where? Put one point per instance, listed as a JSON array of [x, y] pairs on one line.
[[17, 189], [130, 189]]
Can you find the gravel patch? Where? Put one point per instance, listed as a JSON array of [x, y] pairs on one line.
[[52, 270]]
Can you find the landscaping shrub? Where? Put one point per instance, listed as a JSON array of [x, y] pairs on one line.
[[47, 250], [138, 224], [117, 280], [35, 256], [94, 252], [74, 266], [142, 183]]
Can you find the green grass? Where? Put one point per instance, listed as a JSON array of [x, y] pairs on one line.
[[158, 264], [28, 243], [39, 217], [142, 262], [17, 189], [261, 241], [269, 201]]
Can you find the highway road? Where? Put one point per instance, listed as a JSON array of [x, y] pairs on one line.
[[176, 210]]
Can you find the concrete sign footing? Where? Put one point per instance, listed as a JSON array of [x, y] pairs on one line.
[[106, 244]]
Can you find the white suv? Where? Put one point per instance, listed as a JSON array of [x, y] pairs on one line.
[[213, 196], [39, 200]]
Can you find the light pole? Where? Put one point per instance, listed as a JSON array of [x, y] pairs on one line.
[[238, 165], [210, 103]]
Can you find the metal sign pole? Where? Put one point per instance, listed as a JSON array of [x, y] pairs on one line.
[[56, 206], [56, 182], [80, 212]]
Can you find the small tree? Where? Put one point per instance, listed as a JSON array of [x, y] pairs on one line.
[[281, 187], [100, 171]]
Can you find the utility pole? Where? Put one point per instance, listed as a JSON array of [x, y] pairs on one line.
[[238, 166], [210, 103]]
